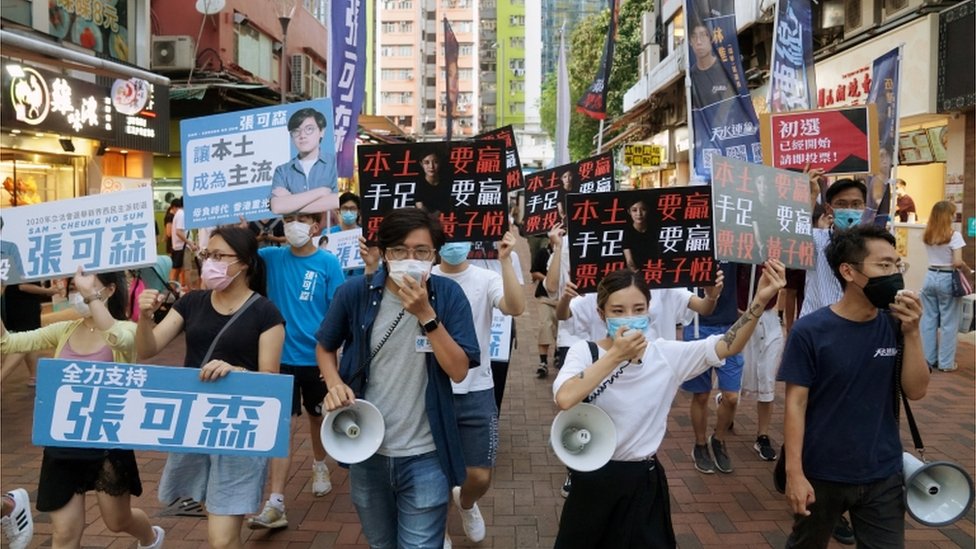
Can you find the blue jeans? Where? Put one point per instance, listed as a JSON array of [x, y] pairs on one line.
[[401, 502], [940, 319]]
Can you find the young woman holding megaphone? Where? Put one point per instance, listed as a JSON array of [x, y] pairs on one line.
[[625, 503]]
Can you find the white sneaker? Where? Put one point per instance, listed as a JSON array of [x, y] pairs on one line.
[[471, 519], [271, 518], [19, 524], [321, 483], [158, 542]]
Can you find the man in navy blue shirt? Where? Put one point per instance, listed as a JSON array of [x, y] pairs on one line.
[[842, 450], [405, 336]]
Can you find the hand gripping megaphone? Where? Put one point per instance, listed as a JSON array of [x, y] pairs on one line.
[[353, 434], [937, 493], [583, 437]]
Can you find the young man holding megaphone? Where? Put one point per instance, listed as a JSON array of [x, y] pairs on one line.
[[406, 335], [842, 446]]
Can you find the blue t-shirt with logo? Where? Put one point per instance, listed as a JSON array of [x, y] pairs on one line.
[[302, 288], [851, 433]]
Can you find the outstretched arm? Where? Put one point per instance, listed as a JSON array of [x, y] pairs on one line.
[[772, 281]]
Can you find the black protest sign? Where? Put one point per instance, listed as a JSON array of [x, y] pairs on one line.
[[513, 165], [546, 190], [664, 233]]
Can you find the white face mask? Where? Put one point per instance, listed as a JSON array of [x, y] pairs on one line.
[[414, 268], [78, 302], [297, 233]]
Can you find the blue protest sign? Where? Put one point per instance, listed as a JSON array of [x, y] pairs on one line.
[[234, 163], [82, 404]]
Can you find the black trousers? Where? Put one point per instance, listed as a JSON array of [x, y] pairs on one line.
[[624, 504]]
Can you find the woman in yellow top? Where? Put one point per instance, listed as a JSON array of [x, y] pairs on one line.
[[102, 335]]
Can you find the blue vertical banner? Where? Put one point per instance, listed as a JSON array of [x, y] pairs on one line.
[[886, 75], [347, 80], [792, 85], [723, 119]]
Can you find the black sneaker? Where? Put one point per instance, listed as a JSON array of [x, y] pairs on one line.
[[564, 491], [722, 461], [843, 532], [542, 372], [764, 448], [703, 460]]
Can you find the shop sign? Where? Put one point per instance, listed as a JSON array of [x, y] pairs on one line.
[[836, 141], [99, 25], [141, 114], [643, 155]]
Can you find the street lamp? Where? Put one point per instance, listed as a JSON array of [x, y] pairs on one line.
[[284, 9]]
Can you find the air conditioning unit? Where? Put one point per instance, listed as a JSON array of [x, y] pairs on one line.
[[649, 58], [301, 69], [172, 53], [893, 9], [860, 16], [648, 28]]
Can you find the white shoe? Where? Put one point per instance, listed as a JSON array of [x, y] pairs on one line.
[[19, 524], [321, 482], [447, 541], [158, 542], [271, 518], [471, 519]]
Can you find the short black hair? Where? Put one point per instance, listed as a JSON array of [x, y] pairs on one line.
[[399, 223], [300, 115], [850, 246], [176, 203], [842, 185], [350, 197]]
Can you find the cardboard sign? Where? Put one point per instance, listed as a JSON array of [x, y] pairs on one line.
[[513, 166], [83, 404], [462, 182], [838, 141], [546, 190], [234, 162], [345, 246], [102, 232], [761, 213], [665, 233]]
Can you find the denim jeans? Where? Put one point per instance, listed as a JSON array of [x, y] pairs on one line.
[[940, 319], [401, 502]]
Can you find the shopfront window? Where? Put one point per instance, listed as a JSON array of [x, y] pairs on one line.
[[30, 178]]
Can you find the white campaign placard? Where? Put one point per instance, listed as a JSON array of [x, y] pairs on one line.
[[103, 232], [111, 184], [345, 246]]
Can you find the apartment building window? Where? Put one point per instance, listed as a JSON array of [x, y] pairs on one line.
[[516, 108], [398, 4], [404, 121], [462, 26], [516, 20], [396, 74], [396, 26], [517, 42], [252, 51], [466, 48], [516, 63], [319, 9], [396, 50], [465, 74], [396, 98], [516, 86], [455, 4]]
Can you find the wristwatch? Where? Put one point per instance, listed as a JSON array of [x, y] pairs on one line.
[[430, 325], [94, 297]]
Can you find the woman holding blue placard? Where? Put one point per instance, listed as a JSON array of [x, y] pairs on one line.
[[102, 335], [231, 327]]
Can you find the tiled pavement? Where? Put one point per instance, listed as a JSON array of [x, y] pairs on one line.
[[522, 508]]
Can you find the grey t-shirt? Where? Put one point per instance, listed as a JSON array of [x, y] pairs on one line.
[[398, 382]]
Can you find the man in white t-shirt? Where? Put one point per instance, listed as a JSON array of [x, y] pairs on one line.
[[180, 240], [474, 397]]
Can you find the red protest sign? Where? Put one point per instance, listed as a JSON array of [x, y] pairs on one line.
[[835, 140]]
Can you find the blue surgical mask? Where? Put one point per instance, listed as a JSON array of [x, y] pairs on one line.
[[639, 323], [845, 218], [455, 253], [348, 218]]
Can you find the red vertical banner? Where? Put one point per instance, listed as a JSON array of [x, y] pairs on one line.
[[451, 49]]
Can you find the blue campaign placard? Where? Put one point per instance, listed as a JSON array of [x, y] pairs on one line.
[[81, 404], [233, 162]]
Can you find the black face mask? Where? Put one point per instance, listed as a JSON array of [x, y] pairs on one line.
[[881, 290]]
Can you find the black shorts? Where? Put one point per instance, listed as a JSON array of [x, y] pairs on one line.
[[177, 257], [308, 387], [66, 472]]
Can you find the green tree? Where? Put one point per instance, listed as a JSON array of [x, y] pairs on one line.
[[584, 48]]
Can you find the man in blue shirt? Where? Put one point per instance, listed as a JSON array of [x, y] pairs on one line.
[[307, 183], [302, 281], [843, 451], [405, 336]]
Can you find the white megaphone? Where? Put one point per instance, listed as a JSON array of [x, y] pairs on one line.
[[937, 493], [353, 434], [583, 437]]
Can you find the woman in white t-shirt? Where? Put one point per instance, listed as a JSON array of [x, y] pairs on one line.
[[940, 310], [625, 503]]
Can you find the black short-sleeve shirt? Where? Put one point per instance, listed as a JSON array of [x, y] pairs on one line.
[[239, 344]]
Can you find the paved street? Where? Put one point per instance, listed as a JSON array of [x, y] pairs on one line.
[[522, 508]]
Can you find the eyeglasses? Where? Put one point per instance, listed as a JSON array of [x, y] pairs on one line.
[[886, 266], [422, 253], [304, 130], [216, 256], [845, 205]]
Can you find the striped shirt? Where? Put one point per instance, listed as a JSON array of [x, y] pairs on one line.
[[822, 287]]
